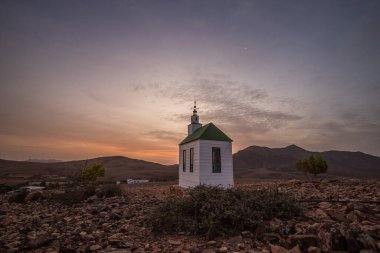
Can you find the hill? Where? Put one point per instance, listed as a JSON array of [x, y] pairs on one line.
[[253, 162], [117, 167], [272, 163], [44, 160]]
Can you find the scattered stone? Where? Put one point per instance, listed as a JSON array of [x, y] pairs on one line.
[[319, 214], [305, 241], [338, 241], [313, 249], [367, 241], [271, 237], [277, 249], [367, 251], [124, 245], [223, 249], [211, 243], [235, 239], [66, 249], [246, 233], [295, 249], [174, 242], [33, 196], [39, 241], [118, 225], [116, 238], [95, 247]]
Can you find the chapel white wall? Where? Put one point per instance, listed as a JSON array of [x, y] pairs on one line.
[[187, 178], [207, 177]]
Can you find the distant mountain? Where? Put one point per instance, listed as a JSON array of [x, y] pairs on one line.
[[43, 161], [271, 163], [117, 168], [253, 162]]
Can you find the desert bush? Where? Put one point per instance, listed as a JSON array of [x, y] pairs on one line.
[[313, 164], [18, 197], [109, 190], [73, 196], [5, 188], [89, 190], [213, 211], [69, 197], [93, 172], [53, 186], [33, 196]]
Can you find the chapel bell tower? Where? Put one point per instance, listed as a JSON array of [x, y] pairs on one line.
[[194, 121]]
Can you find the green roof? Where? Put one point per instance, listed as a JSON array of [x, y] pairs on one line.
[[207, 132]]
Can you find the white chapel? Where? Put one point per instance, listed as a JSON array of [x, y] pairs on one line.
[[205, 156]]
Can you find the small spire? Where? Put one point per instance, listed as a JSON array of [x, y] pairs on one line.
[[194, 125], [195, 107]]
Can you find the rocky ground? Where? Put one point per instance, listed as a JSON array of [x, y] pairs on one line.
[[340, 216]]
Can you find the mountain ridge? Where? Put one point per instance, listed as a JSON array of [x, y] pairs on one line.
[[257, 161], [253, 162], [117, 167]]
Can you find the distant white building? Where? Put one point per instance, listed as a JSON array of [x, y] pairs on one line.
[[205, 156], [31, 188], [137, 181]]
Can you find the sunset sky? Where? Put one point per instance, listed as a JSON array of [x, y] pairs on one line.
[[82, 79]]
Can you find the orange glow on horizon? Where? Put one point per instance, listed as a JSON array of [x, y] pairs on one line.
[[79, 149]]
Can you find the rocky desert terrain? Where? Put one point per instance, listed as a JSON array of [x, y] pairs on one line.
[[339, 216]]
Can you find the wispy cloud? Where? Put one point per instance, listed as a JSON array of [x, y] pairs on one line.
[[239, 108], [346, 131], [163, 135]]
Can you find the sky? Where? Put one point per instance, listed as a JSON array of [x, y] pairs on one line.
[[82, 79]]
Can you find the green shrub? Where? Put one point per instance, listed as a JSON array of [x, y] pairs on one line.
[[93, 172], [213, 211], [313, 164], [109, 190]]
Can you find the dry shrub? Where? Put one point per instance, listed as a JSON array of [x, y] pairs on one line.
[[73, 196], [213, 211], [5, 188], [109, 190], [18, 197]]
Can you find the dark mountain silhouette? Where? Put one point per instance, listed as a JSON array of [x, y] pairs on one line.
[[264, 162], [43, 160], [117, 168], [253, 162]]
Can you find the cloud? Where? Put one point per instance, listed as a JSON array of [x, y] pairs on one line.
[[238, 108], [343, 130], [252, 116], [164, 135]]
